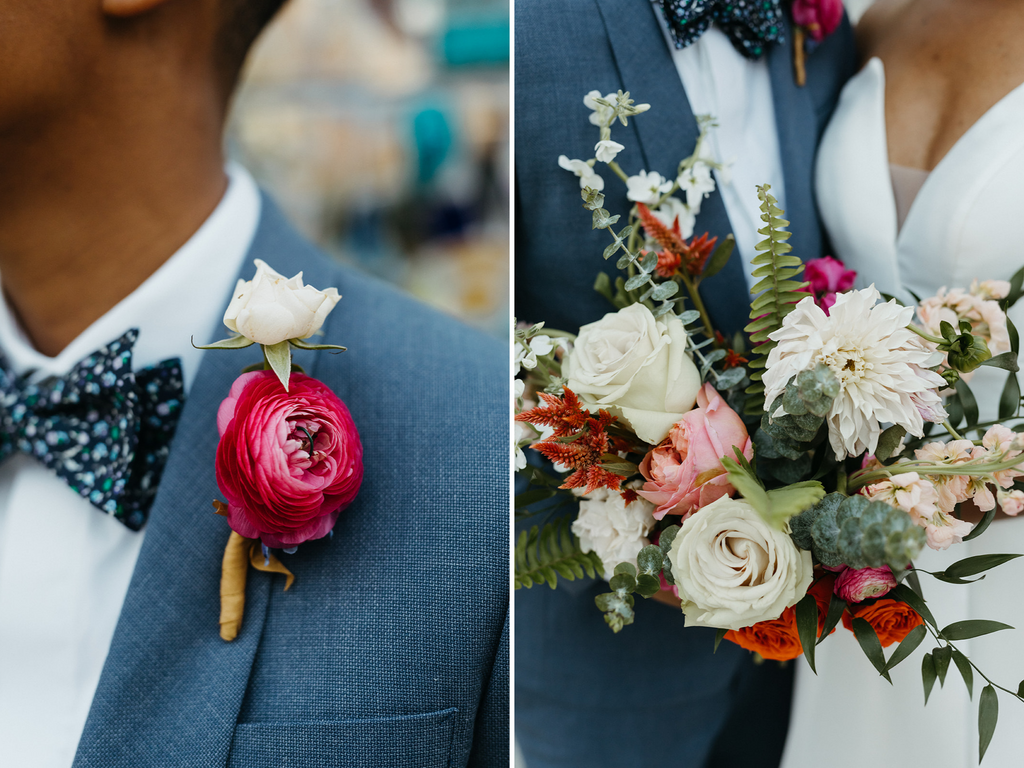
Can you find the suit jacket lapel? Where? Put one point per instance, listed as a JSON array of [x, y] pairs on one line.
[[796, 124], [171, 689], [646, 68]]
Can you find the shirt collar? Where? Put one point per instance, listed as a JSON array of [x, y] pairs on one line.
[[185, 298]]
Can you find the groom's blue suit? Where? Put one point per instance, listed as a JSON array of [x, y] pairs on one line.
[[653, 694], [391, 648]]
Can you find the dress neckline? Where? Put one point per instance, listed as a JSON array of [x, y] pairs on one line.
[[948, 158]]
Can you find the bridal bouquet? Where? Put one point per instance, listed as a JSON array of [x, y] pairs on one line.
[[779, 483]]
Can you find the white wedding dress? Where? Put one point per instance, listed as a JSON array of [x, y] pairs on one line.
[[966, 222]]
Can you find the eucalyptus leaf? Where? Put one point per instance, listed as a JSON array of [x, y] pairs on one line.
[[729, 378], [279, 356], [647, 585], [650, 558], [871, 645], [965, 630], [689, 316], [988, 714], [807, 627], [665, 290], [636, 281]]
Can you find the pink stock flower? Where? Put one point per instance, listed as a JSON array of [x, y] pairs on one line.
[[828, 276], [288, 462], [1012, 502], [685, 472], [855, 586], [819, 17]]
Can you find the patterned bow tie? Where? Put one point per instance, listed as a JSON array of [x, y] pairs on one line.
[[103, 429], [750, 24]]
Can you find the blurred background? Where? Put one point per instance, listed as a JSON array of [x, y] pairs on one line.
[[381, 127]]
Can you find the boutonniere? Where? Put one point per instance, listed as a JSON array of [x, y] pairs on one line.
[[813, 21], [289, 458]]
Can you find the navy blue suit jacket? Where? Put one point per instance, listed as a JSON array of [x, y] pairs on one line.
[[653, 694], [391, 648]]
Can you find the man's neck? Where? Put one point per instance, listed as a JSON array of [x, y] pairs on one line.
[[87, 215]]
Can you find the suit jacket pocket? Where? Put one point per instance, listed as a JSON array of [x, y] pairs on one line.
[[409, 741]]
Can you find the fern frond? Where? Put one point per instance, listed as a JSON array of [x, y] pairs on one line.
[[778, 281], [543, 554]]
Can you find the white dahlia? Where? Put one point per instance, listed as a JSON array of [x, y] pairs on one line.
[[881, 367]]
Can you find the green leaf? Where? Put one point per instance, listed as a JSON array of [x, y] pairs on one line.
[[988, 714], [650, 558], [543, 553], [965, 671], [721, 633], [907, 646], [526, 498], [836, 606], [300, 344], [636, 281], [1020, 690], [279, 356], [807, 627], [941, 657], [905, 594], [1009, 400], [1015, 287], [965, 630], [970, 566], [982, 524], [647, 585], [1007, 361], [719, 258], [968, 402], [729, 378], [928, 675], [871, 645], [1014, 336], [665, 290], [235, 342], [889, 441]]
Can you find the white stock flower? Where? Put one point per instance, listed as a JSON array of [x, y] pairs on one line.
[[673, 210], [602, 116], [733, 569], [271, 308], [583, 170], [605, 151], [616, 531], [527, 351], [698, 183], [647, 188], [524, 435], [636, 367], [881, 367]]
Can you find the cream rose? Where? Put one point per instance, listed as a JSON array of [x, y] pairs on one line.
[[636, 367], [270, 308], [734, 570]]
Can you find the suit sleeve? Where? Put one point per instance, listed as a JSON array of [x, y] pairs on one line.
[[491, 742]]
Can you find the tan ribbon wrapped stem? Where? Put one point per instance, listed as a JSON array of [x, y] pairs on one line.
[[239, 554], [799, 65]]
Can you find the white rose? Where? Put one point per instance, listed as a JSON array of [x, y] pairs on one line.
[[270, 308], [611, 528], [733, 569], [636, 367]]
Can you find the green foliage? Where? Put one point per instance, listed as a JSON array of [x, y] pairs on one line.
[[778, 276], [907, 646], [544, 554], [775, 506], [617, 605], [871, 645], [988, 714], [807, 627], [859, 533]]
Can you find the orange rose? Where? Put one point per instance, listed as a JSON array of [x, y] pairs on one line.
[[891, 619], [778, 639]]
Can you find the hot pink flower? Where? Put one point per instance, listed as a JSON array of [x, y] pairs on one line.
[[827, 277], [685, 471], [288, 462], [819, 17], [855, 586]]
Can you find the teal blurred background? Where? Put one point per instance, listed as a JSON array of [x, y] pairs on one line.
[[381, 126]]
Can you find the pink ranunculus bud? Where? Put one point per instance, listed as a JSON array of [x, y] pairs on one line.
[[819, 17], [855, 586], [685, 472], [827, 277], [288, 462]]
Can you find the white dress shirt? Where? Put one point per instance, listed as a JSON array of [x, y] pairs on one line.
[[65, 565], [737, 92]]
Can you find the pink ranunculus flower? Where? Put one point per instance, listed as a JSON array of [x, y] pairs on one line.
[[685, 472], [288, 462], [828, 277], [819, 17], [856, 586]]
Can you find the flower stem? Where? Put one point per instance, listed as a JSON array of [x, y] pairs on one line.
[[926, 336], [953, 432], [939, 638], [863, 478], [617, 170], [698, 304]]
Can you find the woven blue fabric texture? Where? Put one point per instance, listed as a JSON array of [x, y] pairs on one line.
[[581, 691], [391, 648]]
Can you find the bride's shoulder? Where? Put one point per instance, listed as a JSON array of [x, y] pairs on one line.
[[879, 22]]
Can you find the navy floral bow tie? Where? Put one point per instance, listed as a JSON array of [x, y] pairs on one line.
[[103, 429], [750, 24]]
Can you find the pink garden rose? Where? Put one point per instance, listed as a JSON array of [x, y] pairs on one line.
[[819, 17], [828, 276], [685, 472], [288, 462], [855, 586]]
